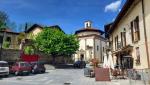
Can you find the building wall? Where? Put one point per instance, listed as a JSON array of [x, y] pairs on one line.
[[133, 12], [147, 22], [14, 41], [96, 45], [34, 32]]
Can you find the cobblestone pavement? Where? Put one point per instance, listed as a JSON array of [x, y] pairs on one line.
[[59, 77]]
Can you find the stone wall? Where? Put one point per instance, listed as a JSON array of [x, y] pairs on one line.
[[12, 55]]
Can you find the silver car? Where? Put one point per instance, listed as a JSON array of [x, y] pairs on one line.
[[4, 68]]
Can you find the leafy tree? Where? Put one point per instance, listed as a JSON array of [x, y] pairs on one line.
[[3, 19], [55, 42], [6, 44], [70, 45], [28, 50]]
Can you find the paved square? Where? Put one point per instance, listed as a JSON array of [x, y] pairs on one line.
[[59, 77]]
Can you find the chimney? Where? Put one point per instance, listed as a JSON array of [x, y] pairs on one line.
[[87, 24]]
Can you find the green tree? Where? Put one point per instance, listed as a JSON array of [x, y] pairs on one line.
[[70, 45], [55, 42], [28, 50], [3, 20], [6, 44]]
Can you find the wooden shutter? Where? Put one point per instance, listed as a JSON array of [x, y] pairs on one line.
[[132, 34], [137, 25], [122, 43], [115, 44]]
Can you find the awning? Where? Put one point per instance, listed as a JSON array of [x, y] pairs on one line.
[[124, 49]]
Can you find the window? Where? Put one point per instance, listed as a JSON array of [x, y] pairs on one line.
[[137, 56], [103, 49], [135, 32], [87, 25], [8, 39], [1, 39], [97, 48]]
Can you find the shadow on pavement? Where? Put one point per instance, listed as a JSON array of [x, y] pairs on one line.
[[64, 66]]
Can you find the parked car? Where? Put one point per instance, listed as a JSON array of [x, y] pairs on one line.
[[79, 64], [37, 67], [20, 68], [88, 70], [4, 68]]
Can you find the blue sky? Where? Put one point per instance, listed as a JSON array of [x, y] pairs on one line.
[[68, 14]]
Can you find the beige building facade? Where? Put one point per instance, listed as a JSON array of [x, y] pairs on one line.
[[129, 35], [91, 43], [10, 38]]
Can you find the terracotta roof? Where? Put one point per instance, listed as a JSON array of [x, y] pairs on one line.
[[36, 25], [10, 32], [123, 11], [88, 30]]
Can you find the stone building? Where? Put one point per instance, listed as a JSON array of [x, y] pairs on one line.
[[129, 35], [10, 38], [92, 43]]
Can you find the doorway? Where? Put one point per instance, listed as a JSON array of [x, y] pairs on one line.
[[81, 57]]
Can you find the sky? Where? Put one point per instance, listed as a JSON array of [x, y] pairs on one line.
[[70, 15]]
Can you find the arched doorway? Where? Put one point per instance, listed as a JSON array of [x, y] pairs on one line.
[[81, 57]]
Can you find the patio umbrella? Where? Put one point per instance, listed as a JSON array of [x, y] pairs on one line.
[[110, 61], [105, 64]]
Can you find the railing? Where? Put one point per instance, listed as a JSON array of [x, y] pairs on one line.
[[139, 76], [132, 76]]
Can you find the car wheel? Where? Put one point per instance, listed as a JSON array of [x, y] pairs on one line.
[[43, 71], [27, 73], [6, 75]]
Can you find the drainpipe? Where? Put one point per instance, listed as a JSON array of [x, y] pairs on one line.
[[145, 34]]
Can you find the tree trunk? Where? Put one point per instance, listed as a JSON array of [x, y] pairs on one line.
[[53, 62]]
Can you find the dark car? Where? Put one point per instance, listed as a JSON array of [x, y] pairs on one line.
[[37, 67], [20, 68], [79, 64]]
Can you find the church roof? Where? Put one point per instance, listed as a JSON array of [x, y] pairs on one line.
[[88, 30]]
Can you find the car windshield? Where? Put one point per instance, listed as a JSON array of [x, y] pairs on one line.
[[3, 64]]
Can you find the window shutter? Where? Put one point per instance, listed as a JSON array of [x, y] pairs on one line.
[[137, 25], [122, 44], [115, 44], [132, 34]]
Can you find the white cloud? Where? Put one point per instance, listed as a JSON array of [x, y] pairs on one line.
[[114, 6]]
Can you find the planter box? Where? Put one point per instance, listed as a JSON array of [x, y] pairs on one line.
[[102, 74]]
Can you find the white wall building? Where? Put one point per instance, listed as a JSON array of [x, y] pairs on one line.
[[92, 43]]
